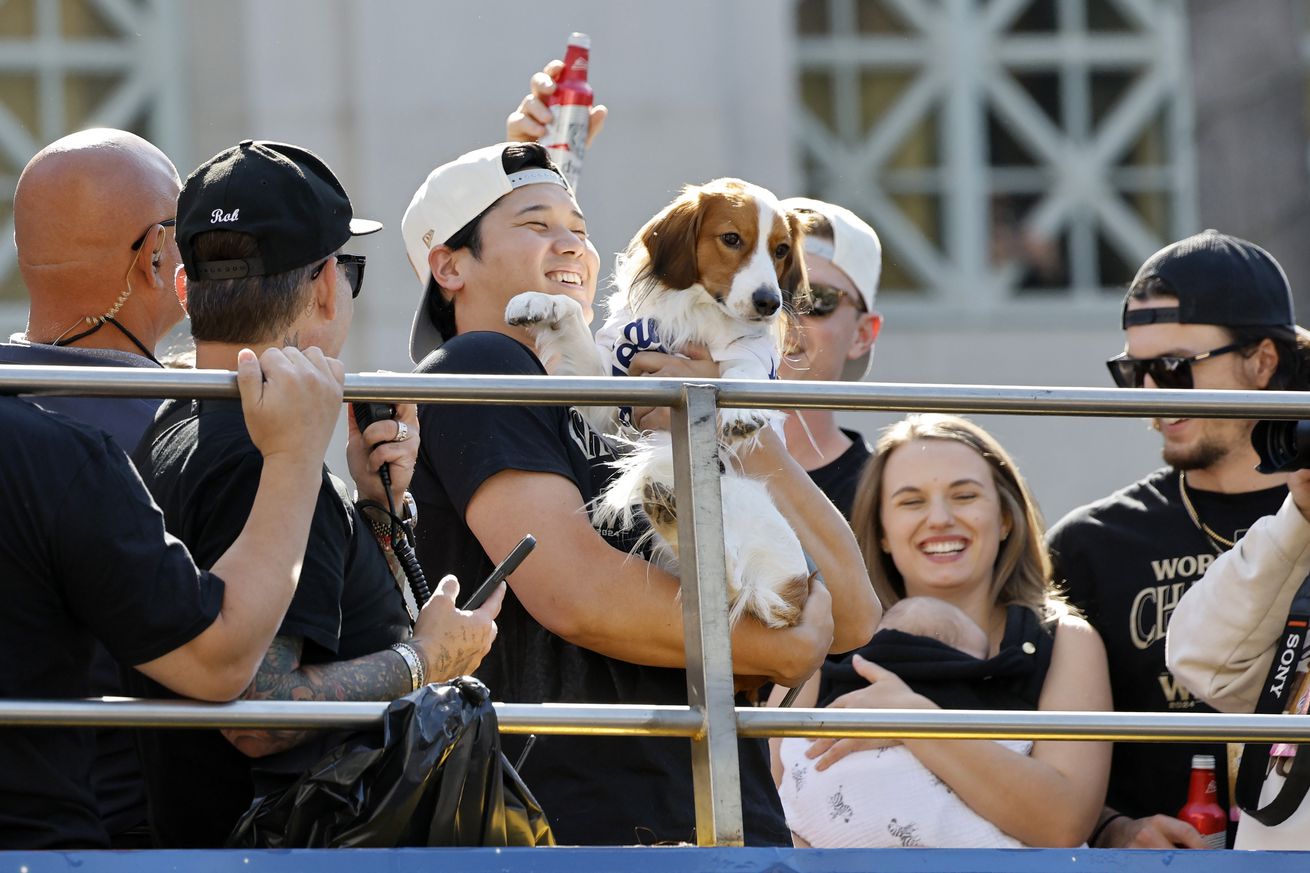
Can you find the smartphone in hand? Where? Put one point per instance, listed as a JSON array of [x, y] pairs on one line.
[[503, 569]]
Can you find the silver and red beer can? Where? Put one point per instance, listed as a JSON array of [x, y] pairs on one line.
[[566, 136]]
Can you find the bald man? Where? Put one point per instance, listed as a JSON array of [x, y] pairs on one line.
[[92, 223]]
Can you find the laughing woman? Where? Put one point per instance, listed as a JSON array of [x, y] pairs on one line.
[[942, 513]]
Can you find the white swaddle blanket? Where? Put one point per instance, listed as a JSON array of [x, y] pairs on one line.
[[881, 798]]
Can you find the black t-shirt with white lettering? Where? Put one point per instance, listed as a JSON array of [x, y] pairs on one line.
[[200, 464], [1126, 561], [83, 557], [595, 790]]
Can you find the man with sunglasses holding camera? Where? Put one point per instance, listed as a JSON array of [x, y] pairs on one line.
[[260, 229], [1210, 312]]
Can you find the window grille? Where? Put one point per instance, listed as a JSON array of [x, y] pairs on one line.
[[71, 64], [1003, 149]]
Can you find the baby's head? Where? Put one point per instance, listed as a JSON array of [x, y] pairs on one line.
[[930, 617]]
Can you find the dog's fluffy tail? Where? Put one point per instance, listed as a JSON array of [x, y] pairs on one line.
[[773, 608]]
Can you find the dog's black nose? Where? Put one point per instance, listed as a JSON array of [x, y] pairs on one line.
[[766, 301]]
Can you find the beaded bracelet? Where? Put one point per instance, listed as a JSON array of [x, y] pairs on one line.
[[413, 660]]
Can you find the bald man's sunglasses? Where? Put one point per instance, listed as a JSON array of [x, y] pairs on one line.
[[140, 241]]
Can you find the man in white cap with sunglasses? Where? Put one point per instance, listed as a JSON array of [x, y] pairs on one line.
[[1210, 312], [834, 341]]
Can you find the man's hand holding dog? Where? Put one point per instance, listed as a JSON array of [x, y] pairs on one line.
[[803, 646], [696, 365]]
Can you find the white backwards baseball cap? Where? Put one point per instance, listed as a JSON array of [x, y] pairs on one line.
[[453, 195], [855, 250]]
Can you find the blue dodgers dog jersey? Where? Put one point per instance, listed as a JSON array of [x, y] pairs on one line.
[[622, 337], [641, 335]]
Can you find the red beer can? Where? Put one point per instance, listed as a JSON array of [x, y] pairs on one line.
[[566, 136]]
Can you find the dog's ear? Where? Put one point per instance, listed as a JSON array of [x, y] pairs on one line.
[[670, 240], [794, 281]]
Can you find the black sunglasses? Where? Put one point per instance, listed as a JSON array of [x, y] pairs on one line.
[[1167, 371], [354, 268], [824, 300], [140, 241]]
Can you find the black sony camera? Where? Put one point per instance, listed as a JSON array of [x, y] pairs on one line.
[[1283, 446]]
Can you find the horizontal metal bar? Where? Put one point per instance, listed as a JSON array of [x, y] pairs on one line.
[[548, 390], [682, 721], [520, 718], [378, 387], [998, 724], [668, 859]]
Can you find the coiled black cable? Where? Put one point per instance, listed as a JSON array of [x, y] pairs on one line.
[[366, 414], [418, 583]]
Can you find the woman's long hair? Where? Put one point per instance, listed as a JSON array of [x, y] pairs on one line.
[[1022, 573]]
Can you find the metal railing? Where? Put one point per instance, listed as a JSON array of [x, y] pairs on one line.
[[710, 720]]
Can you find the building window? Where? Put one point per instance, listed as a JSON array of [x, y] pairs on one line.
[[1005, 150], [66, 65]]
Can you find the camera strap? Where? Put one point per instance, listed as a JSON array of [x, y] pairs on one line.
[[1286, 675]]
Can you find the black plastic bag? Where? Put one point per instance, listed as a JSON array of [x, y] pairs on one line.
[[434, 776]]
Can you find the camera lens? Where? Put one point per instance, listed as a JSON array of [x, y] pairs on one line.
[[1283, 446]]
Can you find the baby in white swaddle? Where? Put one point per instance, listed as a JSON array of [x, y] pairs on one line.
[[884, 798]]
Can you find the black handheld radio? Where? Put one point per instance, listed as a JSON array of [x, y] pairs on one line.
[[366, 414]]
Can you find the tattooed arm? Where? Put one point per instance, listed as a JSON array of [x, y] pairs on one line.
[[379, 676], [452, 642]]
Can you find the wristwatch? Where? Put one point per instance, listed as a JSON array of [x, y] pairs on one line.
[[409, 511]]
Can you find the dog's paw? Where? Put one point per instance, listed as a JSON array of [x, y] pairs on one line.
[[659, 504], [736, 425], [537, 309]]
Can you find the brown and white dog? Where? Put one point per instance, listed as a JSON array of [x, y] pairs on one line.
[[721, 267]]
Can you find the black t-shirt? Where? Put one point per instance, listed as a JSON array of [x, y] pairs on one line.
[[1126, 561], [595, 790], [201, 466], [840, 477], [83, 556], [119, 786], [123, 418]]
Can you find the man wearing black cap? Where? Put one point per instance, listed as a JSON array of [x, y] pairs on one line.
[[260, 229], [84, 557], [1209, 312]]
